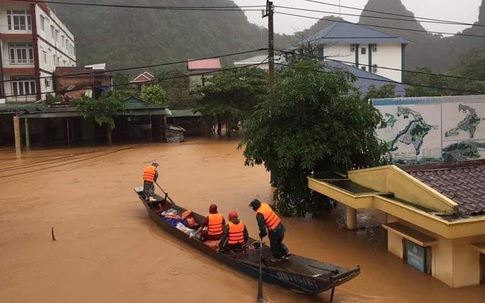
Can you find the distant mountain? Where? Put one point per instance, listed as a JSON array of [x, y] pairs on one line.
[[127, 37], [124, 37]]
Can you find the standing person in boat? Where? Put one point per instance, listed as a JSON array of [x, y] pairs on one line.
[[212, 226], [270, 224], [235, 234], [150, 176]]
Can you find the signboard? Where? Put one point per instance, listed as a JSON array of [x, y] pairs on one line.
[[426, 129], [416, 256]]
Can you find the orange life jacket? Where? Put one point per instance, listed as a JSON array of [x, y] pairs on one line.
[[270, 218], [149, 173], [215, 224], [236, 233]]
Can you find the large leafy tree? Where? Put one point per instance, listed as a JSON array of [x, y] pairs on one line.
[[469, 74], [313, 123], [230, 96], [154, 94], [102, 109], [424, 82]]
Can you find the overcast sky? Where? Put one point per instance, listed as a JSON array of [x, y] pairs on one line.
[[450, 10]]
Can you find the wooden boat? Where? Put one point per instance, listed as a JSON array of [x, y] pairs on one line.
[[298, 273]]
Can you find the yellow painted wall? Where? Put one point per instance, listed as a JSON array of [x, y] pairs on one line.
[[442, 261], [466, 262]]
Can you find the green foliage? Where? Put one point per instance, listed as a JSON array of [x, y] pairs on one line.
[[314, 123], [385, 91], [121, 82], [176, 84], [425, 82], [471, 66], [154, 94], [230, 96], [101, 109]]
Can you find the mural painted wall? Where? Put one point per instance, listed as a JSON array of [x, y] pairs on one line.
[[430, 129]]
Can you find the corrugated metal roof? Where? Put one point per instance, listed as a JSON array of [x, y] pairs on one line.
[[350, 33], [364, 78], [204, 64]]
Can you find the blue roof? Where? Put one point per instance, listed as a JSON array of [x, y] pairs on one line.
[[365, 79], [349, 33]]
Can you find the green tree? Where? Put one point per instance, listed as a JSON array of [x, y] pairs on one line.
[[102, 109], [230, 96], [385, 91], [424, 82], [154, 94], [314, 123], [471, 66], [176, 84]]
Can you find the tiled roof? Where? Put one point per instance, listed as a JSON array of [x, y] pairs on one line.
[[76, 71], [204, 64], [350, 33], [144, 77], [464, 183]]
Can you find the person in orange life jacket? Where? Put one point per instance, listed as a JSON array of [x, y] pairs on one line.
[[270, 224], [150, 176], [235, 234], [211, 227]]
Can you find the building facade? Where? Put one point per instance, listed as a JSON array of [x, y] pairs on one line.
[[201, 70], [359, 46], [434, 214], [33, 42]]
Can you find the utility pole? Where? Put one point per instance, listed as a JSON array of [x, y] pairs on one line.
[[269, 13]]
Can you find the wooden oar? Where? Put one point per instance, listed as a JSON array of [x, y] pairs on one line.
[[260, 281], [161, 188]]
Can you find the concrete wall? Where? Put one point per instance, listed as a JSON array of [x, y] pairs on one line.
[[386, 56], [453, 261], [426, 128]]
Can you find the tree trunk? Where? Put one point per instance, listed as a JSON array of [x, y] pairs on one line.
[[109, 136]]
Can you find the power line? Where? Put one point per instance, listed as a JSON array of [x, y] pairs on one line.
[[94, 72], [394, 82], [158, 80], [393, 14], [387, 68], [158, 7], [380, 26], [375, 17]]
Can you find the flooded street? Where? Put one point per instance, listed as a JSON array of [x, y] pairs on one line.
[[109, 250]]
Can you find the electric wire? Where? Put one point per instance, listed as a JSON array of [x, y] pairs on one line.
[[393, 14], [382, 26]]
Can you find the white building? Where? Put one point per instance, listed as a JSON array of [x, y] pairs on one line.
[[33, 42], [359, 46], [260, 61]]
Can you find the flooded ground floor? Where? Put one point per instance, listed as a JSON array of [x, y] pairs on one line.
[[108, 250]]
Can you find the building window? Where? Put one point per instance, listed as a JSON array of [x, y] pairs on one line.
[[52, 31], [23, 86], [363, 50], [21, 53], [19, 20], [42, 23], [56, 35], [374, 68], [44, 56]]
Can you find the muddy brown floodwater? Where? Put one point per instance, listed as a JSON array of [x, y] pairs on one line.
[[108, 249]]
